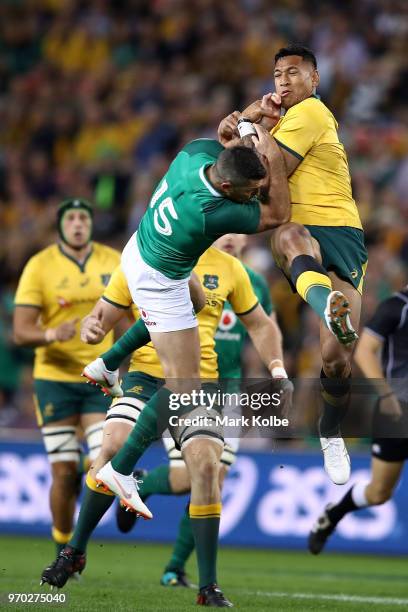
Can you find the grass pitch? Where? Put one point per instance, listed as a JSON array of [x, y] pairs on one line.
[[122, 577]]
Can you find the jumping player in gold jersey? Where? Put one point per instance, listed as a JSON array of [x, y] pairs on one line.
[[321, 250]]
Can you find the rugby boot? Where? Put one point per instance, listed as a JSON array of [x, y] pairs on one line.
[[337, 316], [336, 460], [126, 520], [125, 487], [176, 578], [320, 532], [98, 374], [213, 597], [68, 563]]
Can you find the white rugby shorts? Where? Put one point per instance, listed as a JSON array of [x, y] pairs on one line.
[[164, 303]]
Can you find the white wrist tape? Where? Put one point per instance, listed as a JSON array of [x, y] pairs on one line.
[[278, 372], [245, 128]]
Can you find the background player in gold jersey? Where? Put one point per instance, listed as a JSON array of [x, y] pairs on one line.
[[321, 250], [58, 286], [223, 278]]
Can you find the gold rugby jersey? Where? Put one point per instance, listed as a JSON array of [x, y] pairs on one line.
[[320, 187], [63, 290], [223, 278]]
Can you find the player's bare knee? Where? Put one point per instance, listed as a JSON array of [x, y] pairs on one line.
[[294, 239], [203, 463], [207, 471], [337, 368], [336, 359]]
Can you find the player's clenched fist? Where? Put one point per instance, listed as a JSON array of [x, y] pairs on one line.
[[62, 333], [227, 130], [92, 331], [266, 111]]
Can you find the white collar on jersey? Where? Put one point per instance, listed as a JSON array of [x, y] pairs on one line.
[[210, 188]]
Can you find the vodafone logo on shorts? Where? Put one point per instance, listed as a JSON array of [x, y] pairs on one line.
[[228, 320], [145, 317]]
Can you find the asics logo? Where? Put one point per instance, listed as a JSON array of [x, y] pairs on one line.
[[125, 494]]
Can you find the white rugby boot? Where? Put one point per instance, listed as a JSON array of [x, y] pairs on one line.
[[97, 374], [125, 487], [336, 460]]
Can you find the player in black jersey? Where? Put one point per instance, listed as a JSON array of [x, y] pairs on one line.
[[382, 355]]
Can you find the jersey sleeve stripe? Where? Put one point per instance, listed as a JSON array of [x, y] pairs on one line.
[[29, 305], [105, 299], [241, 314], [289, 149]]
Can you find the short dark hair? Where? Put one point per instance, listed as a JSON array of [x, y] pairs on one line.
[[299, 50], [239, 165]]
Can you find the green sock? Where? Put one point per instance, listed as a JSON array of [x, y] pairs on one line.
[[94, 505], [156, 482], [135, 337], [153, 420], [184, 545], [316, 297], [205, 524], [312, 282]]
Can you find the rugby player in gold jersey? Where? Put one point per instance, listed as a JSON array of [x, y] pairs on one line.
[[321, 250], [57, 288]]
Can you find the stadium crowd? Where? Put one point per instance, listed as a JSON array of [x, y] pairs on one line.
[[96, 96]]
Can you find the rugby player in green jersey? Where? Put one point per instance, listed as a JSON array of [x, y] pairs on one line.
[[173, 478], [207, 192], [230, 337]]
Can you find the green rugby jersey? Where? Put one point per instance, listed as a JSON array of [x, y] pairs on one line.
[[230, 334], [186, 214]]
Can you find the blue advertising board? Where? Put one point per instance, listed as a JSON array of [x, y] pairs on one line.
[[270, 500]]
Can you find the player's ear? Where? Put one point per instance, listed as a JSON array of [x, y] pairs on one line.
[[315, 78], [226, 186]]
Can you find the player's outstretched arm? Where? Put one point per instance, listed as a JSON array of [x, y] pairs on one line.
[[101, 320], [266, 336], [275, 196], [27, 330]]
